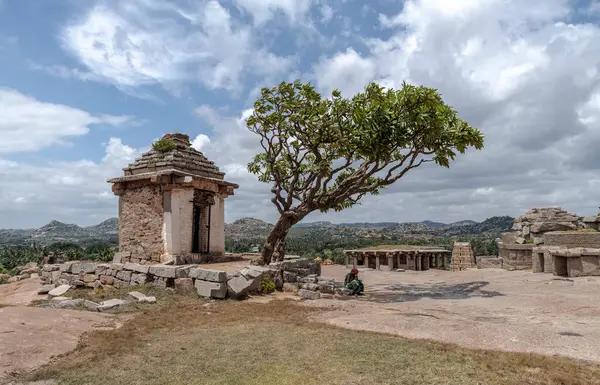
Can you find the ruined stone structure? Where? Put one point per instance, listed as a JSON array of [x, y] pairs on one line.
[[398, 257], [171, 206], [569, 254], [462, 257], [488, 262], [516, 248], [532, 226]]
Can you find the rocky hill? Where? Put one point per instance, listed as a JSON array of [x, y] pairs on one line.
[[251, 228]]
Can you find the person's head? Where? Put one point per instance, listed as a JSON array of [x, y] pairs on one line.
[[354, 271]]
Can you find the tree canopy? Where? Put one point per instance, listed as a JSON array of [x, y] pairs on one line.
[[327, 153]]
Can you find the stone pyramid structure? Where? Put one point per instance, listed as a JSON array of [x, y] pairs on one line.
[[184, 159], [462, 257]]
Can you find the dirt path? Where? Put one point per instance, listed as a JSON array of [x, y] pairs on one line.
[[30, 336], [489, 309]]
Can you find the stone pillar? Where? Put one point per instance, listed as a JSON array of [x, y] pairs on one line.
[[366, 257], [377, 261], [355, 260], [417, 262], [347, 259], [217, 226], [390, 261]]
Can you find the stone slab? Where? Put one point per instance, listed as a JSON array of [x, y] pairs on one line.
[[45, 289], [208, 275], [208, 289], [59, 291], [136, 267], [110, 304], [164, 271]]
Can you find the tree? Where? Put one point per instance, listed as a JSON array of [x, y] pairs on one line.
[[327, 153]]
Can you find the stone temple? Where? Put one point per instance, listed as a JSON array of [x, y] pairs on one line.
[[171, 206]]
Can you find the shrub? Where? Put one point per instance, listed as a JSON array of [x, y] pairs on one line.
[[267, 285], [164, 145], [3, 270]]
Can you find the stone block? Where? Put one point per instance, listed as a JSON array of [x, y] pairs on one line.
[[110, 304], [117, 283], [59, 299], [66, 267], [159, 282], [211, 289], [91, 306], [182, 272], [163, 271], [310, 286], [117, 267], [51, 268], [290, 287], [590, 265], [70, 303], [83, 267], [238, 287], [308, 294], [311, 278], [89, 278], [289, 276], [67, 277], [139, 279], [77, 283], [55, 276], [102, 268], [208, 274], [59, 291], [140, 297], [184, 285], [136, 267], [107, 279], [45, 289], [124, 275]]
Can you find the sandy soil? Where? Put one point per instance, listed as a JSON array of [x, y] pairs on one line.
[[30, 336], [488, 309]]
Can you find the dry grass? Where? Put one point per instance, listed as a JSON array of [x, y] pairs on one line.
[[186, 341]]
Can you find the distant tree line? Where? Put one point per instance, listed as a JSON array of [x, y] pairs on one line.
[[313, 244], [18, 255]]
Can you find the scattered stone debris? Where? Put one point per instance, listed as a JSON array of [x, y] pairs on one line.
[[110, 304], [140, 297], [45, 289], [308, 294]]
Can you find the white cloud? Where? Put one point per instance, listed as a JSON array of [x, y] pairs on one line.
[[75, 192], [28, 124], [264, 10], [149, 42], [521, 71], [326, 13], [200, 142]]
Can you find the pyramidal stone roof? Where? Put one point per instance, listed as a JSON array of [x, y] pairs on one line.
[[182, 160]]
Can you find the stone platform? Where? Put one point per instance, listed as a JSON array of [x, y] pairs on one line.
[[207, 283]]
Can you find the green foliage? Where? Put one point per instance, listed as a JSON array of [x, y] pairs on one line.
[[327, 153], [267, 285], [3, 269], [164, 145], [18, 255]]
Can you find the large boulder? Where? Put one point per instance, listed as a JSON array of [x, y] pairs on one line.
[[238, 287]]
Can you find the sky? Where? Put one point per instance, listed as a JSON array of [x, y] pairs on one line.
[[86, 86]]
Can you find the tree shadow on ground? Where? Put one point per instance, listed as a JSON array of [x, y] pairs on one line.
[[405, 293]]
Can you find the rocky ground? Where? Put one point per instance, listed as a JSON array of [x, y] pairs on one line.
[[31, 336], [490, 308]]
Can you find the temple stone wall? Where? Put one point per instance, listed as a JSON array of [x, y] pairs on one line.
[[489, 262], [515, 256], [572, 239], [462, 256], [141, 213]]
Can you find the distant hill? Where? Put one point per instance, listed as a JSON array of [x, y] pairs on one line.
[[255, 229]]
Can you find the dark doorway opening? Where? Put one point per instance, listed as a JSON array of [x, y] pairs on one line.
[[201, 229], [541, 262]]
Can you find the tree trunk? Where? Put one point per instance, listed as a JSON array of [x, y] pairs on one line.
[[274, 248]]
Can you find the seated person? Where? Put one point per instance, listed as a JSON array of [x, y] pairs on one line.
[[352, 283]]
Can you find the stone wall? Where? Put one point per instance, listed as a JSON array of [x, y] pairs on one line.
[[184, 278], [572, 239], [515, 256], [489, 262], [141, 225]]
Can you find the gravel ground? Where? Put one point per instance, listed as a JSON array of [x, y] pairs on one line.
[[488, 309]]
